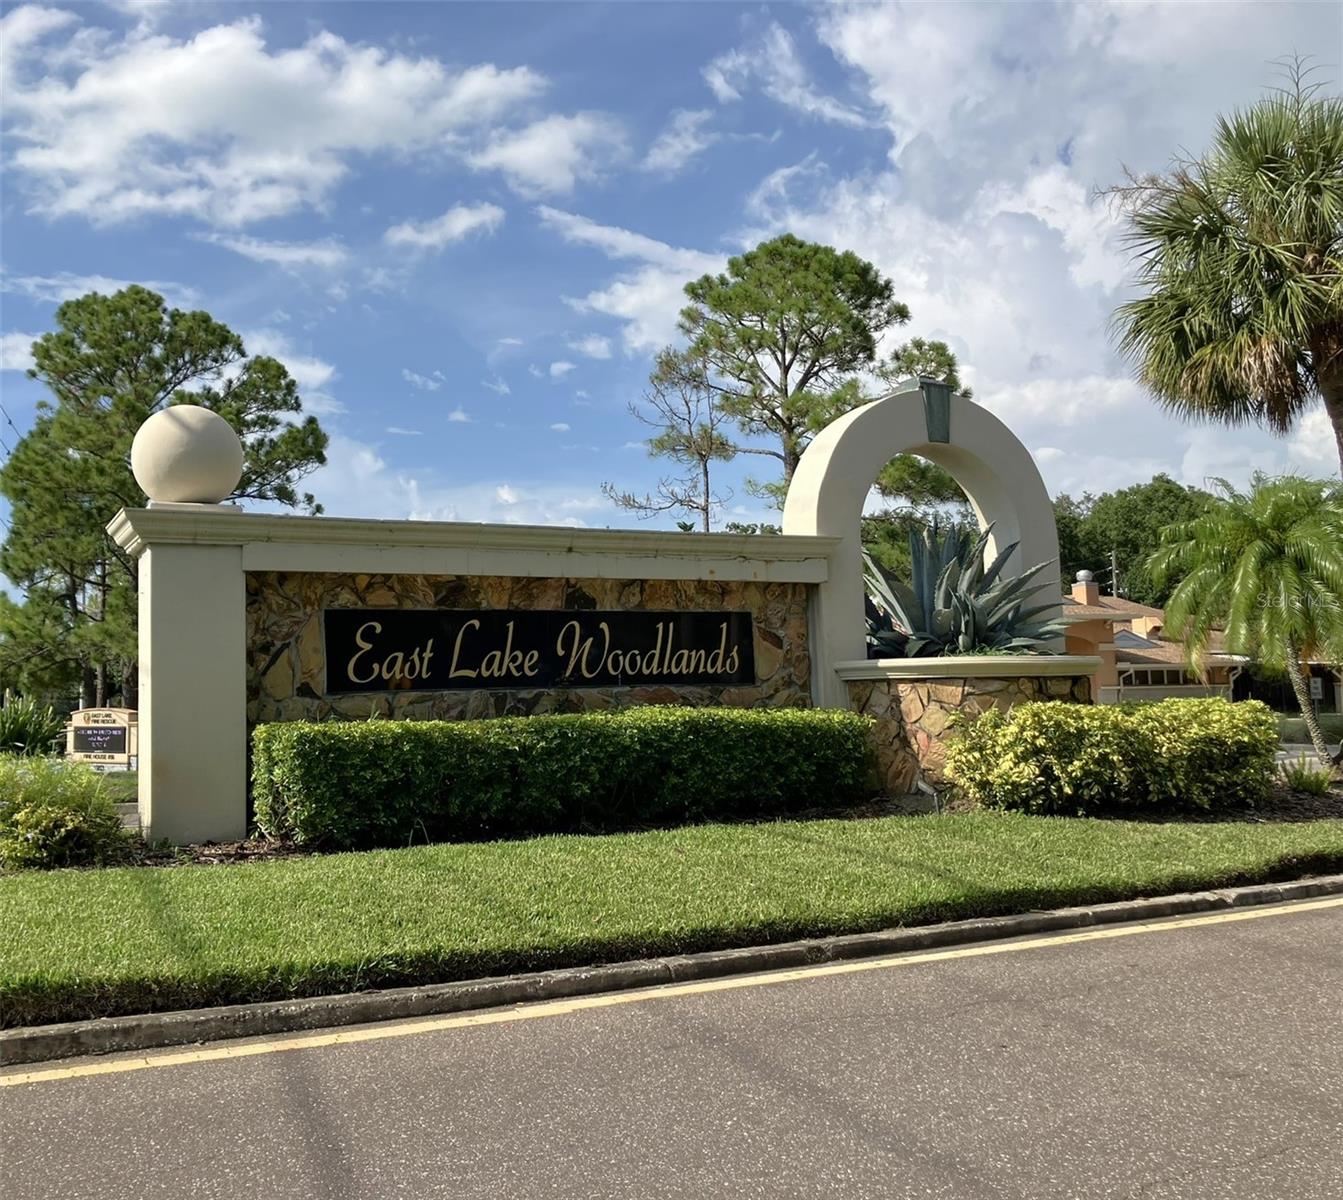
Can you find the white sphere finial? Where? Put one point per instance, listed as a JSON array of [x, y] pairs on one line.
[[1085, 577], [186, 454]]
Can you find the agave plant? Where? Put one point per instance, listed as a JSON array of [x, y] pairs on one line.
[[954, 604]]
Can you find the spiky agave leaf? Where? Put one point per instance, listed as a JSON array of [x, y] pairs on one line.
[[954, 601]]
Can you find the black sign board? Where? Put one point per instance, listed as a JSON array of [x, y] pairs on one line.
[[100, 739], [437, 650]]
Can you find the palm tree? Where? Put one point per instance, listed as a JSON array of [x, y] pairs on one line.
[[1240, 254], [1266, 567]]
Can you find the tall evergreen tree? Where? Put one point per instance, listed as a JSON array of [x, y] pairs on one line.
[[782, 335], [689, 425], [112, 362]]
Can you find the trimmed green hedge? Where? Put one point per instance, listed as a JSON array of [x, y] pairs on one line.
[[383, 783], [1083, 759]]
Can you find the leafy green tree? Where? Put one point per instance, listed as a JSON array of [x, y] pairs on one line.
[[919, 492], [908, 480], [111, 362], [1070, 518], [689, 424], [1124, 526], [930, 359], [782, 335], [1240, 254], [1266, 566]]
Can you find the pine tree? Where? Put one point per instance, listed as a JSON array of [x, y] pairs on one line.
[[111, 363]]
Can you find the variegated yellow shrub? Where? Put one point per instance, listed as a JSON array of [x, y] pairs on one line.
[[1080, 759]]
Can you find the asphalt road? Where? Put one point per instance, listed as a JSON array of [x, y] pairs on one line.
[[1200, 1060]]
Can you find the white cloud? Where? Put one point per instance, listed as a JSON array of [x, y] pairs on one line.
[[219, 127], [592, 346], [772, 64], [558, 370], [312, 374], [615, 242], [1089, 227], [425, 383], [684, 137], [647, 299], [16, 351], [358, 482], [1021, 86], [560, 427], [66, 285], [457, 223], [23, 27], [552, 155], [1312, 448], [396, 429], [498, 386], [328, 253], [459, 416]]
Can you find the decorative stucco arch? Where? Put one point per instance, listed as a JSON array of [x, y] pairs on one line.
[[837, 471]]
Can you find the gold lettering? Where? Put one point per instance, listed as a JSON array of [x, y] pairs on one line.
[[363, 648], [390, 672], [715, 664], [529, 663], [732, 661], [581, 648], [454, 671], [697, 663], [502, 662], [680, 662], [649, 663]]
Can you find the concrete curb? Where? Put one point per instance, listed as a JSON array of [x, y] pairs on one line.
[[42, 1043]]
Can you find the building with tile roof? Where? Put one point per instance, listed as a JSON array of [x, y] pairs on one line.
[[1138, 662]]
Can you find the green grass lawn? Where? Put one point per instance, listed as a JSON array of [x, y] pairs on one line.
[[122, 786], [92, 943], [1293, 728]]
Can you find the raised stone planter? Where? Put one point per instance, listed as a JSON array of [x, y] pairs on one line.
[[912, 701]]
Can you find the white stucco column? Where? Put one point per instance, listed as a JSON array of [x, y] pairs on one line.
[[192, 602], [193, 701], [839, 468]]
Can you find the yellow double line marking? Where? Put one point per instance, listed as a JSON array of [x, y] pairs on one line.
[[560, 1008]]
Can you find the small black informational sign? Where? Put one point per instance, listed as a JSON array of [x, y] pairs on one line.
[[380, 650], [100, 739]]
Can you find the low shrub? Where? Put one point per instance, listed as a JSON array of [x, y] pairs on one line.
[[1082, 759], [27, 727], [56, 814], [393, 782], [1302, 775], [1204, 754]]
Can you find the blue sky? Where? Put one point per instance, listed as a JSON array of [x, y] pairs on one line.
[[464, 227]]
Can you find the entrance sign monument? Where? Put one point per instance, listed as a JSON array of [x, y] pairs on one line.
[[249, 617]]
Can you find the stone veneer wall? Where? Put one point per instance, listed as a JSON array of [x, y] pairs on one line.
[[912, 717], [285, 661]]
